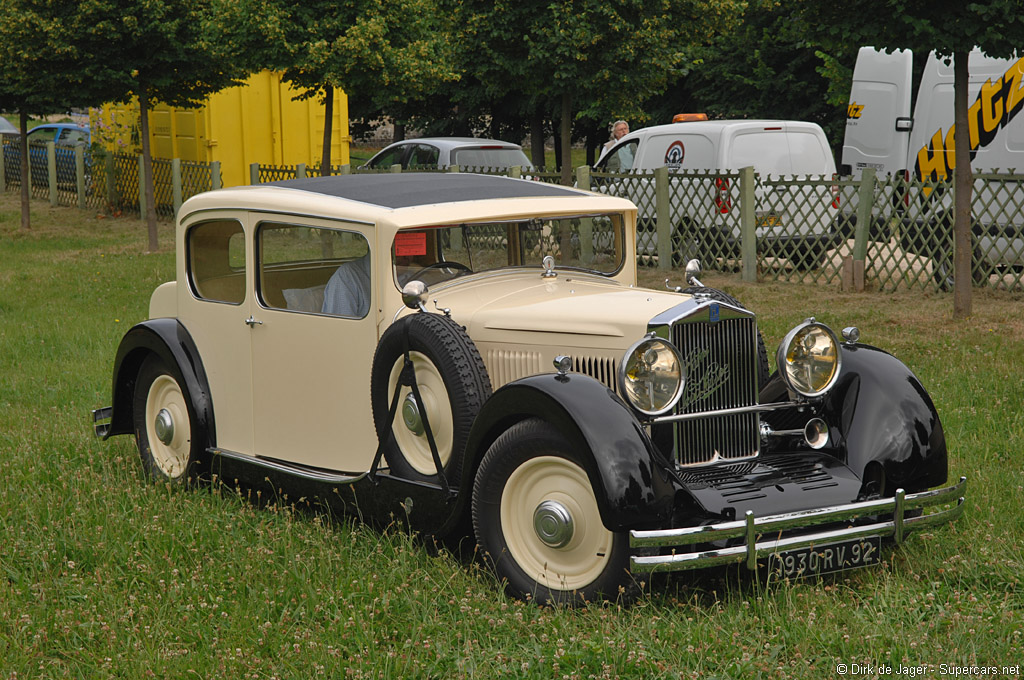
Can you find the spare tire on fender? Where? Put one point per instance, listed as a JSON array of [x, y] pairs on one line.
[[453, 384]]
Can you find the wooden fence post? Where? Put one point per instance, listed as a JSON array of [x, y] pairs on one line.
[[748, 230], [111, 180], [51, 170], [80, 174], [300, 171], [345, 169], [254, 173], [215, 182], [663, 212], [142, 188], [865, 201], [176, 191]]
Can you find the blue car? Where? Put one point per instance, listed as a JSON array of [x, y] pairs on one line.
[[65, 136]]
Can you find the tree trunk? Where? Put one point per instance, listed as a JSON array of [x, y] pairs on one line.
[[963, 188], [325, 154], [566, 142], [147, 171], [26, 195], [399, 132], [537, 156]]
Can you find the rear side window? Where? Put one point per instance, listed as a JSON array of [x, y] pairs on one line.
[[215, 256], [423, 155], [313, 270]]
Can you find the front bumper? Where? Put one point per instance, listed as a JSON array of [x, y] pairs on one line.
[[776, 531]]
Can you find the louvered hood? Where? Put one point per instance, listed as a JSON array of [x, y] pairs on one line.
[[570, 311]]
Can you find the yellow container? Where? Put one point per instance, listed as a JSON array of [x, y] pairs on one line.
[[258, 122]]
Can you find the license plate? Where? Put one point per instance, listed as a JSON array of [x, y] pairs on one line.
[[769, 221], [824, 559]]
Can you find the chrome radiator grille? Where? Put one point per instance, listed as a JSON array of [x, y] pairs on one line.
[[721, 372]]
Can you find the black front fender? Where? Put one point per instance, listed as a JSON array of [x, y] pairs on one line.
[[627, 472], [171, 341], [884, 417]]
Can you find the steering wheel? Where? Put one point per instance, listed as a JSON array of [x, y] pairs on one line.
[[444, 264]]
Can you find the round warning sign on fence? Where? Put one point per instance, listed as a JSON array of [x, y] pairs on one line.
[[675, 155]]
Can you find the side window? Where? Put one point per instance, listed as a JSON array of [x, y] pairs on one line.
[[215, 257], [41, 135], [620, 159], [388, 158], [423, 155], [313, 270]]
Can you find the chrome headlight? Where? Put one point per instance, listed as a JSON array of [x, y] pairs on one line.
[[809, 359], [652, 376]]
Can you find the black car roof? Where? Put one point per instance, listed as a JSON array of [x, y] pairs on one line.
[[407, 189]]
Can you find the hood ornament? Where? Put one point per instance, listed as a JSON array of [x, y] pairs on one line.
[[549, 267]]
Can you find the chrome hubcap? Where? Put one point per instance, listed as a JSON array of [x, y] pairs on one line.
[[411, 414], [164, 426], [553, 524]]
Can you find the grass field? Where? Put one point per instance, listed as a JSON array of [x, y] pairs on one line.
[[105, 575]]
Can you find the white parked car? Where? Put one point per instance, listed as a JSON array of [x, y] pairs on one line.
[[472, 351], [443, 152], [794, 221]]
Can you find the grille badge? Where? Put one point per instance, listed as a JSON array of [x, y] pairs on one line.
[[713, 312]]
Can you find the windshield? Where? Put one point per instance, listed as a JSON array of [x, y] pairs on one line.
[[593, 243]]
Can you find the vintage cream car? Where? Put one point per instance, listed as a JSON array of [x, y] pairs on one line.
[[472, 353]]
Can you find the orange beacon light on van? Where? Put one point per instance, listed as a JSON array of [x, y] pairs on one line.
[[688, 117]]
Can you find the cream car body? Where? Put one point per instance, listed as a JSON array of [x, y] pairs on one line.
[[491, 360]]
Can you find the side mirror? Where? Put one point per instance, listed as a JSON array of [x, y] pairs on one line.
[[414, 295]]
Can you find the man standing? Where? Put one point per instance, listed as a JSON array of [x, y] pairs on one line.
[[619, 129]]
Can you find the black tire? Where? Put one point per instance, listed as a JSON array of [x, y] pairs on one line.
[[942, 270], [452, 380], [763, 369], [166, 426], [809, 258], [532, 469]]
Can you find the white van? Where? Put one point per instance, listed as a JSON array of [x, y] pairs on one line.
[[882, 132], [793, 220]]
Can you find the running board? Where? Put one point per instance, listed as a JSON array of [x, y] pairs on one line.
[[302, 472]]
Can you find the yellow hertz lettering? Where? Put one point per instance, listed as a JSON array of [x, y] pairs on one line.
[[854, 110], [997, 104]]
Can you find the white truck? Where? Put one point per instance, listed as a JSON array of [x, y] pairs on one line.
[[884, 133], [793, 220]]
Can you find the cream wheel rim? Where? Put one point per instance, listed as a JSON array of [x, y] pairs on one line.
[[414, 446], [167, 426], [546, 482]]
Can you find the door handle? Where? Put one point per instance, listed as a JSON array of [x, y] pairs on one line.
[[251, 322]]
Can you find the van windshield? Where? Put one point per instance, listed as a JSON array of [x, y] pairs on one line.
[[594, 243]]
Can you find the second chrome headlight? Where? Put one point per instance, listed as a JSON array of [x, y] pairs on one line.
[[652, 376], [809, 359]]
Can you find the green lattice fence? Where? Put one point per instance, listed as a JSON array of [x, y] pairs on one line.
[[704, 213], [805, 229], [797, 222]]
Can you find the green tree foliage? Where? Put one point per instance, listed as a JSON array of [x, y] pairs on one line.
[[765, 67], [952, 28], [154, 50], [598, 59], [43, 67], [388, 53]]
